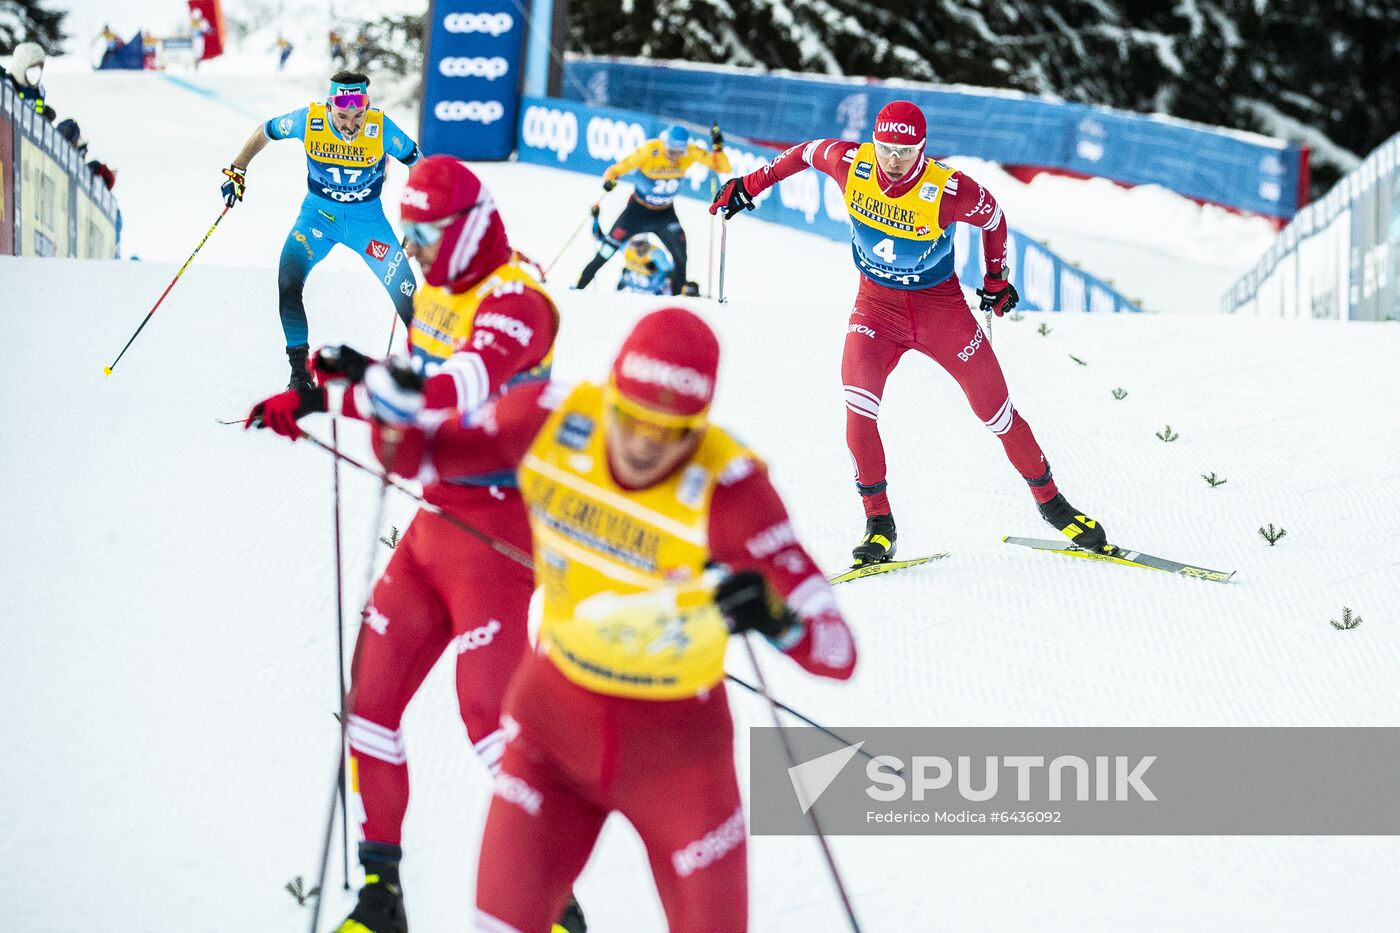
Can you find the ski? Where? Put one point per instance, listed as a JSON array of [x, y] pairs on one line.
[[1126, 557], [868, 570]]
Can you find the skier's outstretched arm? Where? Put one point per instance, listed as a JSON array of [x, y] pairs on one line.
[[750, 531], [831, 157]]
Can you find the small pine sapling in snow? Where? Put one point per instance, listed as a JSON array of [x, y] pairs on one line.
[[1271, 535], [1120, 393], [1168, 435], [1214, 480], [1015, 316], [1078, 360], [1349, 621], [296, 889], [1044, 329], [392, 541]]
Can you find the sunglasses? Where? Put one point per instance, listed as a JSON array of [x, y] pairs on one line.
[[349, 101], [886, 150]]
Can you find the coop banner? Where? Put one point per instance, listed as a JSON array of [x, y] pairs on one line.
[[471, 78], [570, 135], [1244, 172], [1075, 781]]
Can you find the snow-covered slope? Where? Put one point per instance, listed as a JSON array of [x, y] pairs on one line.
[[167, 649]]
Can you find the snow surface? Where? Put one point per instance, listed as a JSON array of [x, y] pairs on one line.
[[167, 655]]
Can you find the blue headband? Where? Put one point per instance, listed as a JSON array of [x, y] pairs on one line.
[[337, 88]]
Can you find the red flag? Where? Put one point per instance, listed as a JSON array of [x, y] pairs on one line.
[[207, 20]]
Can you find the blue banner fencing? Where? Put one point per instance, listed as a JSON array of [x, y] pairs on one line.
[[570, 135], [471, 78], [1339, 259], [1242, 171]]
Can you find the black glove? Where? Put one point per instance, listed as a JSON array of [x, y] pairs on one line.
[[716, 138], [342, 362], [609, 184], [998, 295], [732, 198], [235, 185], [749, 605]]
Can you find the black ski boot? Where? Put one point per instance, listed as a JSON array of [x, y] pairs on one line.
[[301, 376], [878, 544], [571, 921], [1081, 529], [380, 909]]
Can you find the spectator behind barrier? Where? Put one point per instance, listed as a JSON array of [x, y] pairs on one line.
[[27, 73], [100, 169]]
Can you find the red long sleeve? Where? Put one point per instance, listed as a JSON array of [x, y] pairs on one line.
[[967, 202], [750, 530], [829, 156]]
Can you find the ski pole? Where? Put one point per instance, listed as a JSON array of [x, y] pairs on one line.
[[340, 649], [567, 243], [792, 763], [505, 549], [710, 273], [723, 236], [107, 370], [338, 789], [796, 715]]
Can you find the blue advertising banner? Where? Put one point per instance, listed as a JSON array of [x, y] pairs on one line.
[[1237, 170], [569, 135], [471, 78]]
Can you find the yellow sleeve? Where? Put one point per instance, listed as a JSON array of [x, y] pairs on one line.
[[716, 161], [631, 163]]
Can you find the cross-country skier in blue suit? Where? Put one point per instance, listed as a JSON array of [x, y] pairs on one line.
[[347, 145]]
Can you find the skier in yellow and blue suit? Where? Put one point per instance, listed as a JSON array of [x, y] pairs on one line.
[[347, 145], [660, 164]]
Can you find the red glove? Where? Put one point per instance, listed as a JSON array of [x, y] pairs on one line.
[[998, 294], [732, 198], [280, 412]]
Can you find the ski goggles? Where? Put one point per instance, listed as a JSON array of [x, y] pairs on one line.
[[889, 150], [427, 232], [660, 427], [353, 101]]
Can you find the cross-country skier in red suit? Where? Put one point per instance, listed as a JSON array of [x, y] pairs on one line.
[[632, 493], [480, 324], [902, 206]]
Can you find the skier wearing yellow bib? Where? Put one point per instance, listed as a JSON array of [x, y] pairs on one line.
[[347, 145], [902, 206], [631, 493]]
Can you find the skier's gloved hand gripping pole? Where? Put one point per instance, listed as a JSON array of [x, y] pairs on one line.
[[732, 198], [107, 370]]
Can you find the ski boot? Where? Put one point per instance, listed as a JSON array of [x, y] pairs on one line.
[[571, 921], [878, 544], [1081, 529], [301, 376], [380, 909]]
